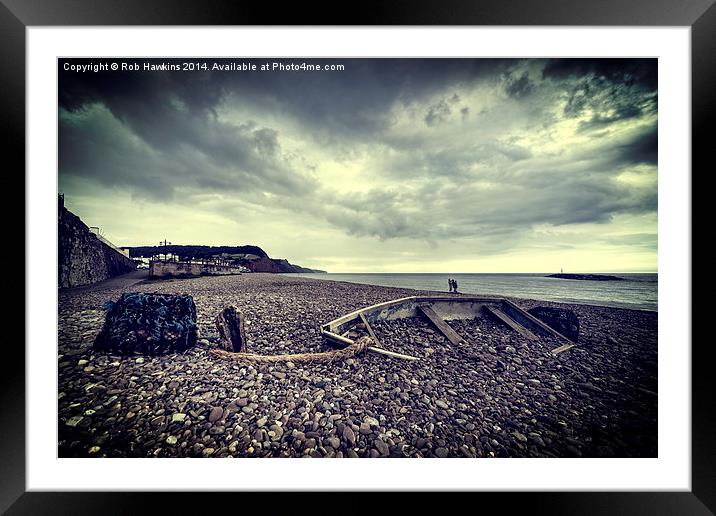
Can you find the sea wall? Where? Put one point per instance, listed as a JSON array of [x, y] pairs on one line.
[[158, 269], [82, 258]]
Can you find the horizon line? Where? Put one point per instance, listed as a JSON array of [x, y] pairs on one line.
[[482, 272]]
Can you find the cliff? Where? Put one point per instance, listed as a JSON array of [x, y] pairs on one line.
[[250, 256]]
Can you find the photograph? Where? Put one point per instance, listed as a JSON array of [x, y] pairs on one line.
[[357, 257]]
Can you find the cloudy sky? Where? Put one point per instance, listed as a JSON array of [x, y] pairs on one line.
[[395, 165]]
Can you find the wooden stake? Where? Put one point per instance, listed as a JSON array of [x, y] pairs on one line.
[[230, 325]]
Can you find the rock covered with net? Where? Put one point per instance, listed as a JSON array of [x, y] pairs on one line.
[[148, 324], [563, 320]]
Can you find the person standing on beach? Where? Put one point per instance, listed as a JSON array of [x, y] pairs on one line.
[[450, 284], [454, 286]]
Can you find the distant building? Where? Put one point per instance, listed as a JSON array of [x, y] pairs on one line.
[[142, 262], [170, 268], [168, 257]]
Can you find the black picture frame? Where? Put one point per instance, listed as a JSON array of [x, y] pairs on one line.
[[17, 15]]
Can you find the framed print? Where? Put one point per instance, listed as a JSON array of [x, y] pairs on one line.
[[438, 234]]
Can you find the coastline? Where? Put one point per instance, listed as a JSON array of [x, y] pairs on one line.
[[598, 399], [474, 284]]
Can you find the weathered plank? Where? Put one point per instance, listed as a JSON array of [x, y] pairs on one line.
[[391, 353], [441, 325], [370, 330], [564, 347], [507, 320]]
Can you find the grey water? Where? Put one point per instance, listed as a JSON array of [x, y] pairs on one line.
[[637, 291]]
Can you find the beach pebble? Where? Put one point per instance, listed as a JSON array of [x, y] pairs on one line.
[[349, 435], [496, 395], [381, 447]]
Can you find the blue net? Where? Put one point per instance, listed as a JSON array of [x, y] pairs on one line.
[[148, 324]]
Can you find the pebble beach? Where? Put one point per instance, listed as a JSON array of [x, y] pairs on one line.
[[499, 396]]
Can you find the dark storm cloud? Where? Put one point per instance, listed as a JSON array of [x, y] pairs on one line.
[[157, 134], [437, 113], [95, 145], [175, 115], [518, 87], [611, 89], [629, 71], [455, 163], [641, 149], [441, 111], [470, 211], [353, 102], [504, 199]]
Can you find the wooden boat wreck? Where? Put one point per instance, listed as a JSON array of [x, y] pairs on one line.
[[439, 310]]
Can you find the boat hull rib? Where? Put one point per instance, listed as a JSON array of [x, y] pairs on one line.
[[441, 325], [439, 310]]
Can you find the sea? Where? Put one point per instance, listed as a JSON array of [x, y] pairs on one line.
[[637, 291]]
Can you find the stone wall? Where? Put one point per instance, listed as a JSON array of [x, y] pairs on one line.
[[82, 258]]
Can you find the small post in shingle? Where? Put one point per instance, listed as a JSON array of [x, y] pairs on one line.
[[230, 325]]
